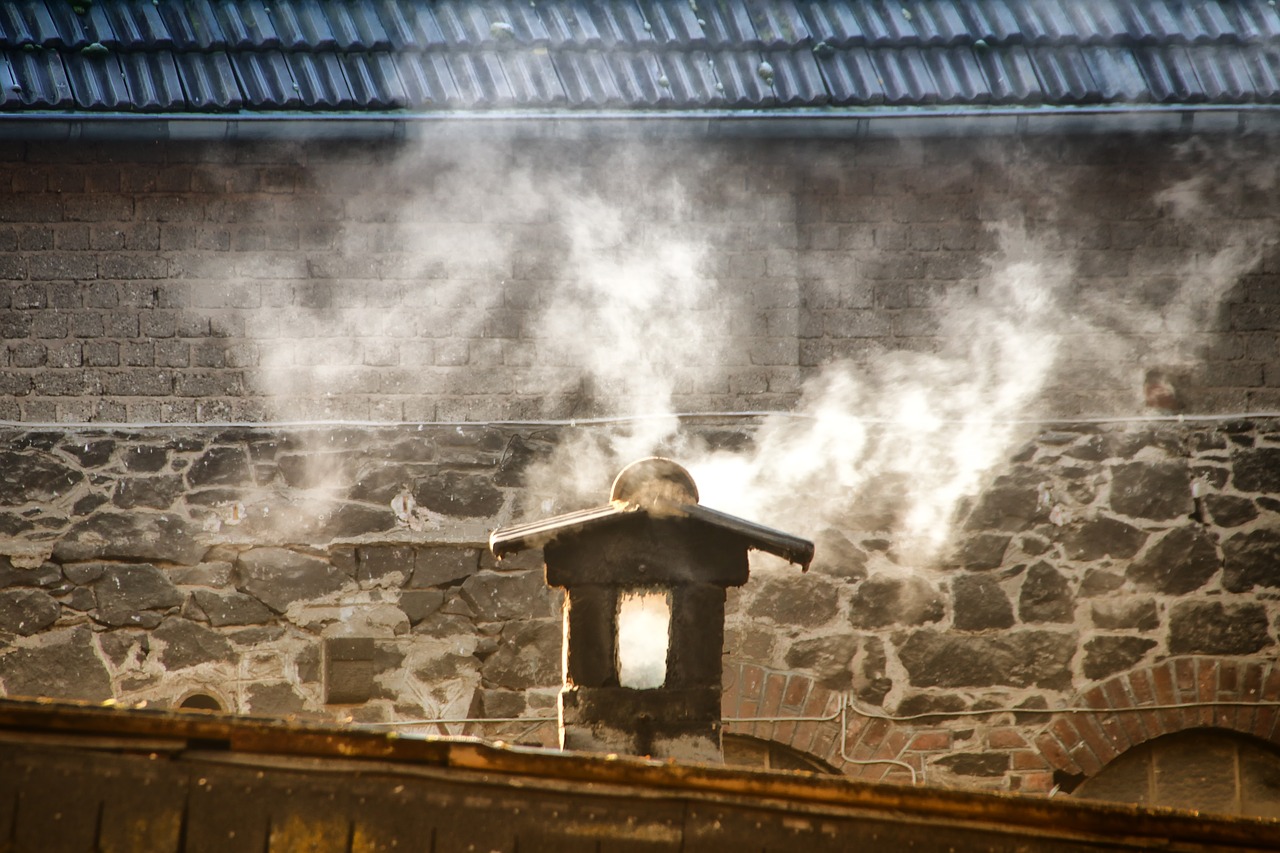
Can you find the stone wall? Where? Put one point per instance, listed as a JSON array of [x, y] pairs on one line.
[[147, 565]]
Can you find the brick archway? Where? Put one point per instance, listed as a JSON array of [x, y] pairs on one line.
[[1134, 707], [752, 691]]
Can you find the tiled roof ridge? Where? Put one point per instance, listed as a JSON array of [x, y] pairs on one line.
[[371, 56]]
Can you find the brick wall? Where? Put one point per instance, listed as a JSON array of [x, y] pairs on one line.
[[182, 283]]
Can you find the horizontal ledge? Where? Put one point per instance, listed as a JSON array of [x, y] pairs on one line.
[[782, 123]]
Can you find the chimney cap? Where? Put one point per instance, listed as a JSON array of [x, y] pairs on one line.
[[656, 487], [654, 479]]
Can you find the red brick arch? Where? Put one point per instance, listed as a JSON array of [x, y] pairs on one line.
[[754, 691], [1131, 709]]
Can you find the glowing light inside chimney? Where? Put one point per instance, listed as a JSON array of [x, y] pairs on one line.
[[644, 634]]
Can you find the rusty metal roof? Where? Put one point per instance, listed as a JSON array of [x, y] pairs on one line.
[[404, 57], [77, 777]]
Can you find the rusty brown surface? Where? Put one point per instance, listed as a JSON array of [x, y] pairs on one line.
[[121, 779]]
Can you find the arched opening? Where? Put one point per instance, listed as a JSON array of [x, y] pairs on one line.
[[758, 754], [200, 702], [1208, 770]]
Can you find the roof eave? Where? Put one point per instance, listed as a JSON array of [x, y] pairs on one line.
[[774, 123]]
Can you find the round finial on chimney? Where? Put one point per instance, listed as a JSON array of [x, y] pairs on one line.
[[653, 479]]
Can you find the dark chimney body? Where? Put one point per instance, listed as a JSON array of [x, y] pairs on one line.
[[655, 547]]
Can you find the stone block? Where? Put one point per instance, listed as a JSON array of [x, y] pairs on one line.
[[1218, 628], [1014, 659], [67, 666], [27, 611], [979, 604], [125, 592], [348, 670], [231, 608], [184, 643], [278, 577], [443, 566], [1106, 656], [1183, 560], [163, 537], [1251, 559], [881, 601]]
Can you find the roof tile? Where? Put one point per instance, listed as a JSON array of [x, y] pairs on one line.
[[1223, 73], [247, 24], [489, 24], [480, 79], [1170, 75], [1116, 74], [265, 80], [428, 82], [992, 21], [73, 31], [1010, 75], [851, 77], [778, 23], [727, 24], [1256, 20], [1065, 75], [1046, 22], [532, 78], [588, 80], [640, 78], [886, 23], [319, 82], [374, 80], [193, 24], [905, 77], [957, 75], [834, 23], [693, 80], [138, 26], [209, 81], [302, 25], [937, 23], [1264, 71], [797, 81], [1098, 22], [27, 23], [673, 21], [96, 81], [42, 79], [410, 26], [740, 79], [153, 82], [372, 55]]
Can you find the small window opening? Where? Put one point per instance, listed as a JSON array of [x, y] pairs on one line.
[[200, 702], [644, 635]]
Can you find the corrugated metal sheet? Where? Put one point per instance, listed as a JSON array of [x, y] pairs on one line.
[[379, 55]]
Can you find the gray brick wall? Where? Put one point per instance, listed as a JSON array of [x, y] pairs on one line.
[[191, 283]]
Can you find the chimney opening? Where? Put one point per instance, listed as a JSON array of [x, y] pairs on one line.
[[644, 637]]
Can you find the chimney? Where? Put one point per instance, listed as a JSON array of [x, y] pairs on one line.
[[644, 579]]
